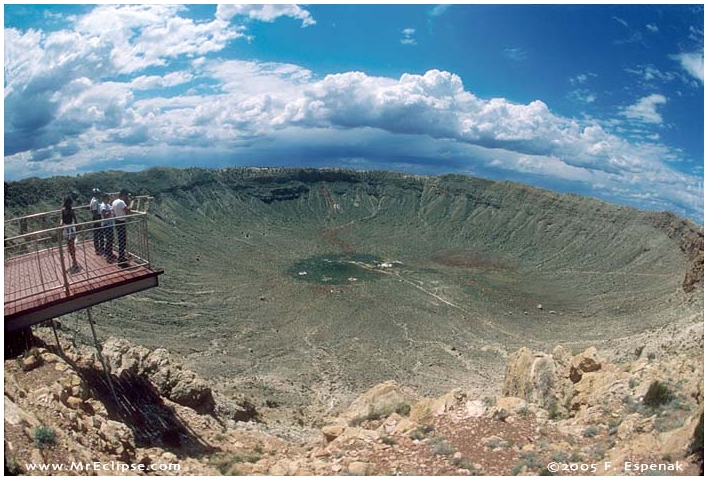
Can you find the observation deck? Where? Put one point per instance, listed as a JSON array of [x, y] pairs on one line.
[[40, 283]]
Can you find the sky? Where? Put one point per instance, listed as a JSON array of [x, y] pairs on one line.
[[598, 100]]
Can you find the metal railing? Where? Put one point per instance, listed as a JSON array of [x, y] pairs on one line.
[[36, 253]]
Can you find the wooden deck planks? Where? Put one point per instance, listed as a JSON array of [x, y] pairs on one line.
[[35, 281]]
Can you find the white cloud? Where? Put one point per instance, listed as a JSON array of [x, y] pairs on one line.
[[646, 109], [71, 101], [693, 64], [158, 82], [139, 36], [264, 13], [408, 37], [515, 53], [581, 78], [582, 95], [438, 10], [620, 21], [652, 27], [696, 34], [649, 73]]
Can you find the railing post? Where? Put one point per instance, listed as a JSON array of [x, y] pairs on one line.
[[84, 251], [62, 265], [145, 229], [39, 265]]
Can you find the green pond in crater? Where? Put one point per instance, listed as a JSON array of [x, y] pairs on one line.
[[337, 269]]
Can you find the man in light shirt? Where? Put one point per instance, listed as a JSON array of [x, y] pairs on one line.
[[120, 207]]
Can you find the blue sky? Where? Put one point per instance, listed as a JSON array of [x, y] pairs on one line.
[[600, 100]]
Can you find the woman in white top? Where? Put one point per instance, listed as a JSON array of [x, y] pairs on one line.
[[69, 232]]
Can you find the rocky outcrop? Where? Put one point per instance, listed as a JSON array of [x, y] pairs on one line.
[[426, 409], [174, 382], [164, 372], [586, 362], [691, 240], [536, 378], [380, 401], [559, 407], [50, 408], [587, 396]]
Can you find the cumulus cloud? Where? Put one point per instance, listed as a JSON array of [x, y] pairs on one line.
[[139, 36], [82, 110], [693, 64], [158, 82], [264, 13], [646, 109], [652, 27], [54, 88]]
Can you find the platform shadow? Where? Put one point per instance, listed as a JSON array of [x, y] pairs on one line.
[[141, 408]]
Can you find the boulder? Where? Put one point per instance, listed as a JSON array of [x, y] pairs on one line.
[[284, 467], [533, 377], [117, 438], [475, 408], [390, 424], [31, 362], [603, 389], [192, 391], [48, 357], [586, 362], [75, 403], [421, 412], [590, 361], [562, 359], [14, 415], [426, 409], [448, 401], [517, 378], [353, 434], [237, 409], [379, 401], [404, 427], [359, 469], [332, 432]]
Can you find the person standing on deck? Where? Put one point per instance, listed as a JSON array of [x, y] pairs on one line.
[[69, 232], [96, 215], [120, 207], [106, 238]]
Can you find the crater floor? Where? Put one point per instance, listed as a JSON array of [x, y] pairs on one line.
[[301, 288]]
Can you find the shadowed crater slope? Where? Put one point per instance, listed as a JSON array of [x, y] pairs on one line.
[[302, 287]]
